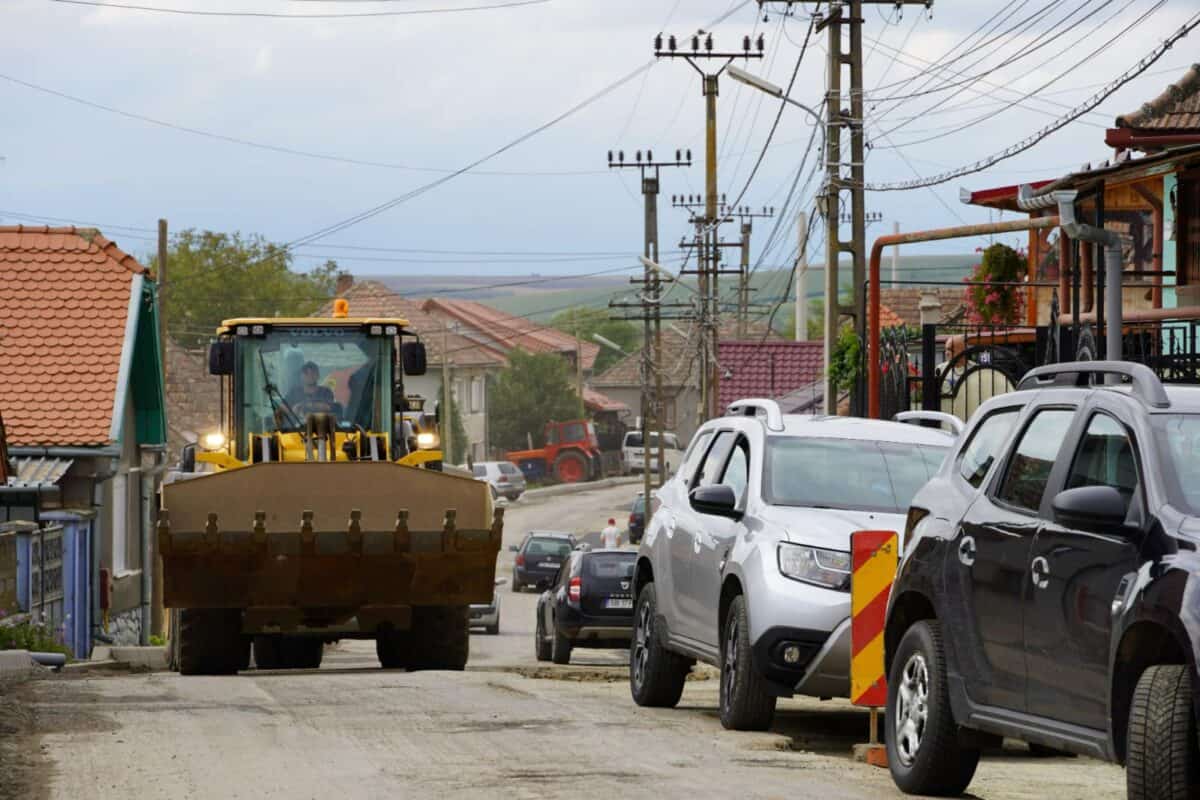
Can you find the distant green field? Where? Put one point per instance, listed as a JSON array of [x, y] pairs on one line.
[[769, 286]]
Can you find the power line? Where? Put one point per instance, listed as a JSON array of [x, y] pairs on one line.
[[325, 15], [291, 151], [1137, 69]]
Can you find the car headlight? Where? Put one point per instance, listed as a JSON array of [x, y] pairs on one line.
[[828, 568], [427, 441], [213, 441]]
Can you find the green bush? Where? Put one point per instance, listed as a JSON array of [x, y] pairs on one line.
[[30, 636]]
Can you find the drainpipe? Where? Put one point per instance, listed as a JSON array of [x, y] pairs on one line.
[[1033, 223], [1111, 241]]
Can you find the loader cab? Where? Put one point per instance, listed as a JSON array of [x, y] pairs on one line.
[[281, 374]]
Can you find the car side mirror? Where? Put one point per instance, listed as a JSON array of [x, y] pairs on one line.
[[717, 500], [220, 358], [412, 358], [1091, 508]]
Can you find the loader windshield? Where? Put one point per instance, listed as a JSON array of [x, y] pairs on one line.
[[291, 372]]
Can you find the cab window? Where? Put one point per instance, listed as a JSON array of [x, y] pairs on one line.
[[695, 452], [985, 445], [737, 471], [710, 470], [1029, 469], [1105, 458]]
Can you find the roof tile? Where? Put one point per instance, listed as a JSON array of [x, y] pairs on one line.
[[64, 297], [767, 368]]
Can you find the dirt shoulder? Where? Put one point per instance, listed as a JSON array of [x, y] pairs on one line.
[[23, 768]]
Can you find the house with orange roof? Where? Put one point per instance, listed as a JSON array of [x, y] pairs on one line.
[[82, 402]]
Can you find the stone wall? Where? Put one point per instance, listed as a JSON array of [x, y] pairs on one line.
[[193, 397], [125, 627]]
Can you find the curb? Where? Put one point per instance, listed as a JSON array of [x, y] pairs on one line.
[[577, 488], [151, 658], [17, 664]]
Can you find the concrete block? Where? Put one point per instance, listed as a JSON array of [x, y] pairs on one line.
[[17, 664], [153, 658]]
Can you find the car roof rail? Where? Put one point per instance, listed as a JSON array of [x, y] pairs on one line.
[[758, 407], [940, 417], [1146, 385]]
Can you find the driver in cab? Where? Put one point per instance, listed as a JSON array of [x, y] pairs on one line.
[[310, 397]]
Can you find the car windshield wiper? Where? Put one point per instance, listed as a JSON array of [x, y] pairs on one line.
[[272, 393]]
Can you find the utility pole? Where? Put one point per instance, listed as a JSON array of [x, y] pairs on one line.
[[652, 402], [802, 279], [446, 412], [743, 298], [842, 14], [896, 257], [579, 370], [709, 307], [157, 614]]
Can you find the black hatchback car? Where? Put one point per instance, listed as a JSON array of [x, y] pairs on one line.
[[589, 605], [1050, 586], [539, 557]]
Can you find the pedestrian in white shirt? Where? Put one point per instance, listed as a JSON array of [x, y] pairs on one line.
[[610, 537]]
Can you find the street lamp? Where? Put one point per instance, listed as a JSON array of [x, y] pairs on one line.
[[763, 85], [609, 343]]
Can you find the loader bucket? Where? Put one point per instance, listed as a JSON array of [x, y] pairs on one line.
[[333, 538]]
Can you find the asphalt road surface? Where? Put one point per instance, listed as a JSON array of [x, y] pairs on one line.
[[507, 727]]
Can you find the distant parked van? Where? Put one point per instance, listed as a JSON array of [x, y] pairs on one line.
[[633, 461]]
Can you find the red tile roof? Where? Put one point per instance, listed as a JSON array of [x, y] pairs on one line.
[[598, 401], [506, 332], [373, 299], [767, 369], [64, 299], [888, 318], [1177, 109]]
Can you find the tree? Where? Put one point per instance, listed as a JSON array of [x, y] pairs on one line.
[[458, 431], [534, 389], [215, 276], [584, 323]]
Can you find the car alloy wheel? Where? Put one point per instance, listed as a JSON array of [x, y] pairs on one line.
[[641, 644], [912, 711], [729, 673]]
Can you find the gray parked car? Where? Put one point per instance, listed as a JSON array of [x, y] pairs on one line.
[[487, 615], [746, 564], [505, 478]]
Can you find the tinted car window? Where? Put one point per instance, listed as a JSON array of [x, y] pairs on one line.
[[509, 469], [548, 547], [1025, 480], [711, 468], [606, 565], [737, 472], [1105, 458], [479, 471], [694, 453], [985, 445]]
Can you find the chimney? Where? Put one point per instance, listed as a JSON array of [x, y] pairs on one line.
[[344, 281], [931, 308]]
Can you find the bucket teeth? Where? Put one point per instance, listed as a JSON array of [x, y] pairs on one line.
[[402, 540], [164, 532], [354, 534], [212, 533], [448, 529], [260, 527]]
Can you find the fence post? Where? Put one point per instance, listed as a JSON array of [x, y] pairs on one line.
[[930, 401]]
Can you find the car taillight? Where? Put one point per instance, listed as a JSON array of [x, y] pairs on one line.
[[502, 479], [632, 517], [574, 589], [519, 560]]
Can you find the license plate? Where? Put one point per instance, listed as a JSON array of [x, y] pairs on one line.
[[618, 602], [549, 565]]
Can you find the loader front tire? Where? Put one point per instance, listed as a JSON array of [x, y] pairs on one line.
[[440, 638], [287, 652], [393, 648], [211, 641]]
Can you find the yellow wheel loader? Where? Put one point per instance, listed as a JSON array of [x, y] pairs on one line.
[[320, 511]]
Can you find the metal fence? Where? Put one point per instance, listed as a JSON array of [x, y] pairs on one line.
[[8, 572]]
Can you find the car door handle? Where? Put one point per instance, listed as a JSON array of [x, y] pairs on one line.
[[1041, 572], [966, 550]]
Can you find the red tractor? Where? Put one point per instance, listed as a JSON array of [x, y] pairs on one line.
[[571, 454]]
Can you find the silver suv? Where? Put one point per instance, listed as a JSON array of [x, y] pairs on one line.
[[746, 564]]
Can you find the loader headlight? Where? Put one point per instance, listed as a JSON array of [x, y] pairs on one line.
[[828, 568], [427, 441], [213, 441]]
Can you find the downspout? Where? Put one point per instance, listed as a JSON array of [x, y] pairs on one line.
[[1111, 241], [873, 302]]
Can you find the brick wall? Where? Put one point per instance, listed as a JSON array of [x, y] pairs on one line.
[[193, 396]]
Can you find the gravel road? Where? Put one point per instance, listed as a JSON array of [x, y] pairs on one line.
[[508, 726]]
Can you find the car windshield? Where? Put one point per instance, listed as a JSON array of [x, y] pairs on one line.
[[639, 505], [292, 372], [610, 565], [1178, 438], [847, 473], [554, 548]]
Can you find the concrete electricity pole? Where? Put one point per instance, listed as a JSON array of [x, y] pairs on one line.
[[840, 15], [447, 408], [652, 402], [743, 298], [709, 308], [802, 279]]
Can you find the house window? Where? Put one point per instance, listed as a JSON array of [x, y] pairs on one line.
[[476, 395], [126, 517], [456, 392]]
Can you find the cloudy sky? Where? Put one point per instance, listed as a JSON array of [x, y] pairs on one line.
[[416, 94]]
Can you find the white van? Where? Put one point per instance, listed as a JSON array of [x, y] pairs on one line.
[[632, 460]]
